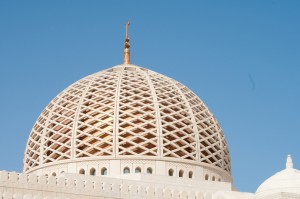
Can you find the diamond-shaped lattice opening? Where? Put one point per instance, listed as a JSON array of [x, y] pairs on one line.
[[149, 136], [149, 145], [138, 140], [138, 150]]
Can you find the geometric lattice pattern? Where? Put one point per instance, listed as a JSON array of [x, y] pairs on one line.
[[126, 112]]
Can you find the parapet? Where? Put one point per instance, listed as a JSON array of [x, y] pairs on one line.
[[30, 186]]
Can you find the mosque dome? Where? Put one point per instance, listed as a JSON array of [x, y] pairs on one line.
[[128, 118], [126, 112], [285, 181]]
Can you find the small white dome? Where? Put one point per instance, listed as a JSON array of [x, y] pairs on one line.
[[285, 181]]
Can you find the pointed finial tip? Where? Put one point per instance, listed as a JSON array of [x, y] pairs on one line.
[[127, 25], [289, 162], [127, 46]]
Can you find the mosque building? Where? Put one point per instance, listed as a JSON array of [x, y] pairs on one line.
[[129, 132]]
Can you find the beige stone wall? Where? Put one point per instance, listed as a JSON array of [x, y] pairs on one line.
[[30, 186]]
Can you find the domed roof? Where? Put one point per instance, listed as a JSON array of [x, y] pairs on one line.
[[126, 112], [285, 181]]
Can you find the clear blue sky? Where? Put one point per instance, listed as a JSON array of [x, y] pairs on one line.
[[241, 57]]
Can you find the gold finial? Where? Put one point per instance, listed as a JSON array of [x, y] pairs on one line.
[[127, 46]]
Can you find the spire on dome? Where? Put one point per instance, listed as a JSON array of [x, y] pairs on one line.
[[289, 162], [127, 46]]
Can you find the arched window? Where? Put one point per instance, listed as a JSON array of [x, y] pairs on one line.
[[104, 171], [190, 174], [92, 171], [219, 179], [171, 172], [149, 170], [138, 170], [82, 171], [181, 173], [213, 178], [206, 177], [126, 170], [53, 174]]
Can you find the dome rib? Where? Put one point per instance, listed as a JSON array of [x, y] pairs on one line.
[[116, 114], [43, 134], [41, 149], [175, 120], [75, 126], [221, 138], [196, 137], [157, 113]]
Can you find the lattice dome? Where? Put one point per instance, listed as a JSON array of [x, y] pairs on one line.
[[127, 112]]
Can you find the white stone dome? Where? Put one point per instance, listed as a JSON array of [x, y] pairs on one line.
[[127, 113], [285, 181]]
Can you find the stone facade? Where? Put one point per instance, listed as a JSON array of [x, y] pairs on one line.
[[72, 186]]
